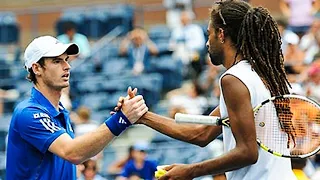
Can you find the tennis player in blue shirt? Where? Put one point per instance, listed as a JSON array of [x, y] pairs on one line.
[[41, 144]]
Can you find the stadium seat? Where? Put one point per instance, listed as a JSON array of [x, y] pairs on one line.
[[94, 20], [2, 174], [159, 32], [150, 86], [115, 66], [89, 86], [163, 48], [161, 138], [119, 15], [100, 116], [109, 156], [82, 69], [170, 69], [23, 87], [3, 136], [111, 100], [94, 101], [115, 84], [4, 126], [75, 15], [9, 28], [2, 164], [17, 70], [5, 71]]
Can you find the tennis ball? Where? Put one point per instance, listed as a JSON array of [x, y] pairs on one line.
[[159, 173]]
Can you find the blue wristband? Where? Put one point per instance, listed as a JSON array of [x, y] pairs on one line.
[[117, 123]]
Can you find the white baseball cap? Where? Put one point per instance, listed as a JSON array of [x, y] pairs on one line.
[[47, 46], [291, 38]]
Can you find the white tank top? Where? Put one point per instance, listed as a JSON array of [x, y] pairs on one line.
[[268, 166]]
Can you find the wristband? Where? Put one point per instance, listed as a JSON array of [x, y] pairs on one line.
[[117, 123]]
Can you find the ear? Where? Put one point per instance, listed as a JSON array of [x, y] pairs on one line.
[[221, 35], [36, 68]]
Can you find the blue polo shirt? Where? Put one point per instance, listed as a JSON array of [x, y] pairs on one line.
[[146, 172], [34, 126]]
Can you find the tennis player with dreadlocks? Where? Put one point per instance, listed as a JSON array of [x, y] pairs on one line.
[[246, 41]]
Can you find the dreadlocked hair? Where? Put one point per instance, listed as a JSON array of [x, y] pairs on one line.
[[255, 35]]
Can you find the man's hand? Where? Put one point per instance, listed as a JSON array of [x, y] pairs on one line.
[[177, 172], [131, 94], [133, 108]]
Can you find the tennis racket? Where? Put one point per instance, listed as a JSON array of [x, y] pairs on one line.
[[286, 126]]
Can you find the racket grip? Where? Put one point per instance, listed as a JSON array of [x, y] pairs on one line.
[[197, 119]]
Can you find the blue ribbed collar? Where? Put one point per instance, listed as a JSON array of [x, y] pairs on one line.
[[38, 96]]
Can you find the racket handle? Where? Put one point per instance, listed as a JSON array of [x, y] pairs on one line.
[[197, 119]]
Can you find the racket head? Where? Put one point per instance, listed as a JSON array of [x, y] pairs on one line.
[[288, 126]]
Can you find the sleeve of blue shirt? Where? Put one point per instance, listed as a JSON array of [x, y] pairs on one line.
[[36, 127]]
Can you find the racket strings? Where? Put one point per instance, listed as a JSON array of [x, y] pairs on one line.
[[293, 130], [306, 121], [284, 115]]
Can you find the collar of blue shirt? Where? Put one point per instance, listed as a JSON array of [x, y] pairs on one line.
[[38, 96]]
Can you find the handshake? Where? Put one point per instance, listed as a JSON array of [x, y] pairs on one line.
[[132, 106], [128, 111]]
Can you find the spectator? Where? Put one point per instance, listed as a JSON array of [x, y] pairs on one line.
[[139, 164], [71, 36], [316, 162], [134, 177], [174, 9], [187, 41], [173, 110], [189, 97], [117, 167], [300, 14], [293, 57], [309, 42], [313, 84], [208, 77], [138, 47], [286, 34], [209, 82], [84, 123], [65, 99], [90, 171], [10, 94]]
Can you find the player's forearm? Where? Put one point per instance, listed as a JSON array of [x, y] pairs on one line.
[[89, 145], [196, 134], [234, 159]]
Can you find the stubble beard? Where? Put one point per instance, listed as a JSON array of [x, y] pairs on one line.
[[56, 86], [216, 56]]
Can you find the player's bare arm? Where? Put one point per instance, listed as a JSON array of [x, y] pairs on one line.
[[245, 153], [200, 135], [81, 148]]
